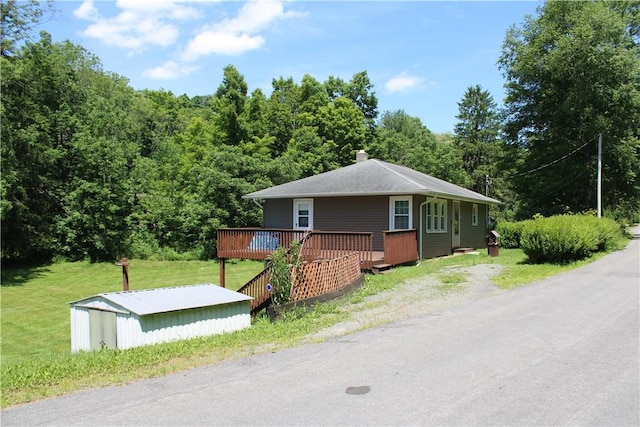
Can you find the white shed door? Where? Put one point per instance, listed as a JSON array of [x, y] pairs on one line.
[[102, 332]]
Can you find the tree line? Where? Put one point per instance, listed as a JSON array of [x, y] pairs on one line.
[[93, 169]]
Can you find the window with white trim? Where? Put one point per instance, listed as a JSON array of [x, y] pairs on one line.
[[474, 214], [400, 213], [436, 216]]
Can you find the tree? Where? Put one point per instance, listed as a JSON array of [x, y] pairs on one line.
[[572, 73], [476, 135], [341, 123], [41, 101], [312, 95], [359, 90], [229, 104], [284, 105], [18, 20]]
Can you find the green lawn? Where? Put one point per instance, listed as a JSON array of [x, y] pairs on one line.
[[35, 301]]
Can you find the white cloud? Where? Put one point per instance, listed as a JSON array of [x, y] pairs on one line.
[[139, 24], [169, 70], [237, 35], [86, 11], [222, 43], [403, 82]]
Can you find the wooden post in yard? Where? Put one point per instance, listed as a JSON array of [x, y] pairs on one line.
[[125, 273], [222, 272]]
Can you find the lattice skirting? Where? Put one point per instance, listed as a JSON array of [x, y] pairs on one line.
[[324, 276]]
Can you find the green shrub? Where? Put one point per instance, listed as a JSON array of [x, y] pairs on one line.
[[510, 233], [282, 264], [566, 238], [609, 232]]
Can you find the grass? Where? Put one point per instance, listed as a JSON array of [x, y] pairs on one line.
[[35, 301], [36, 359]]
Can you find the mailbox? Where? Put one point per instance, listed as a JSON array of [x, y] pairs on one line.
[[493, 244]]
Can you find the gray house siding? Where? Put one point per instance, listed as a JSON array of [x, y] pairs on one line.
[[371, 214], [357, 214], [473, 236], [437, 244], [365, 214], [277, 213]]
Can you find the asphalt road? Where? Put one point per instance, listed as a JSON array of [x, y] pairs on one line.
[[563, 351]]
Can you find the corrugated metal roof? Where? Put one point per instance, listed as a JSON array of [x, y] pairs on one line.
[[161, 300], [369, 178]]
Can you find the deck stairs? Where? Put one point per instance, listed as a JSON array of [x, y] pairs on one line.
[[380, 268], [258, 286]]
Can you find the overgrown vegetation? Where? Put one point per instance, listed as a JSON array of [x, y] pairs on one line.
[[285, 264]]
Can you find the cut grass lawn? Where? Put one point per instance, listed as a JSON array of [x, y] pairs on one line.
[[35, 301], [36, 359]]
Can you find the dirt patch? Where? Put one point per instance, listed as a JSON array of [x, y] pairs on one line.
[[415, 297]]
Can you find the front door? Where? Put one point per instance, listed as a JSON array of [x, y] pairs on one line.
[[456, 225], [303, 214]]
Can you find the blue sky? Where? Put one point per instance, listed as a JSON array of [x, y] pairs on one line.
[[421, 56]]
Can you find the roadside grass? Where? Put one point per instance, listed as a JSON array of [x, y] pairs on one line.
[[61, 374], [35, 309], [35, 302]]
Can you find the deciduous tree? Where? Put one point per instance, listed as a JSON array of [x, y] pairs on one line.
[[572, 73]]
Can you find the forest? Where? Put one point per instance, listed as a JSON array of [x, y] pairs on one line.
[[93, 169]]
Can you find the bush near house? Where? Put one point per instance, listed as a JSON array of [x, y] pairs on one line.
[[566, 238], [510, 233]]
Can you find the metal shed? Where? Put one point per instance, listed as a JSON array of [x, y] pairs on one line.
[[135, 318]]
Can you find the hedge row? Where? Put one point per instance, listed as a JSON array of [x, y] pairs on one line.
[[510, 233], [562, 238]]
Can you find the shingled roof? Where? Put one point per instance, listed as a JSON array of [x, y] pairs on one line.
[[370, 177]]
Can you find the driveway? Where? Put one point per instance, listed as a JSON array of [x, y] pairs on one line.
[[562, 351]]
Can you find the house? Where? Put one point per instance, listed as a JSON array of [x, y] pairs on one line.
[[134, 318], [375, 196]]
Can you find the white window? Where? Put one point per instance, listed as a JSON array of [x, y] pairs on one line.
[[437, 216], [400, 213], [474, 214], [303, 214]]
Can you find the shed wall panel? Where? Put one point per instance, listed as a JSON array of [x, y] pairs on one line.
[[129, 331], [80, 329], [165, 327]]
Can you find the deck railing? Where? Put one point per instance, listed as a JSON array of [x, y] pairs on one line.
[[257, 288], [400, 246], [258, 243], [254, 243], [336, 244]]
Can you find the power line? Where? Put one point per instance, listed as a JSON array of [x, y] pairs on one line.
[[546, 165]]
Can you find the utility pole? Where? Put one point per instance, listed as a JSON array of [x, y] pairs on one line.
[[487, 181], [599, 189]]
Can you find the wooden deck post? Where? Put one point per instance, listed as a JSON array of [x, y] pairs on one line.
[[222, 272]]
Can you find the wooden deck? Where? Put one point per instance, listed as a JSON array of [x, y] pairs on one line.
[[400, 246]]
